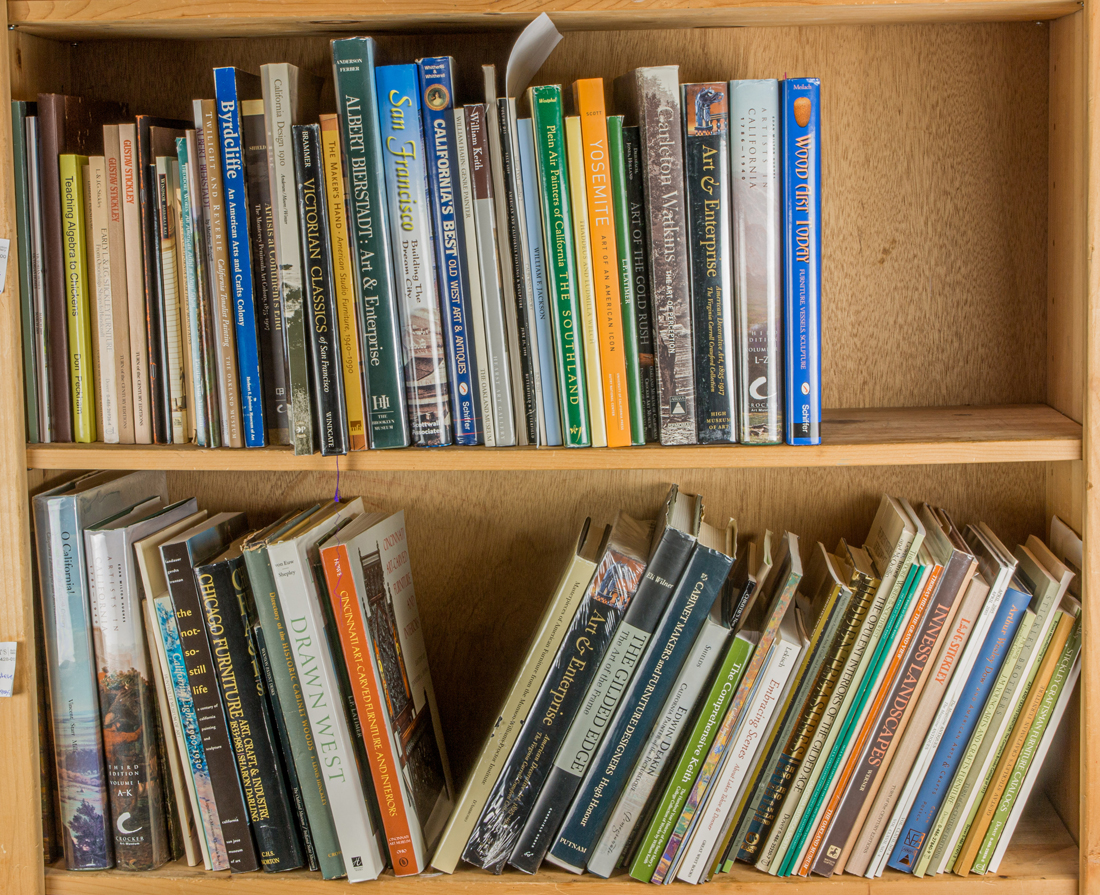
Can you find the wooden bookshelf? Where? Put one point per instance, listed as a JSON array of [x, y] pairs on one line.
[[962, 194]]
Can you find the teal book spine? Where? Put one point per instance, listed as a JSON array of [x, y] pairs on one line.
[[23, 187]]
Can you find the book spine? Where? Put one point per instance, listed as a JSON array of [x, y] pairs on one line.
[[643, 299], [279, 89], [325, 707], [627, 288], [97, 380], [658, 110], [587, 639], [605, 259], [964, 719], [357, 103], [135, 283], [426, 379], [288, 688], [758, 271], [344, 283], [221, 303], [51, 122], [600, 703], [329, 405], [265, 271], [193, 737], [116, 243], [369, 703], [699, 586], [497, 355], [172, 367], [159, 389], [801, 146], [99, 269], [126, 702], [547, 363], [557, 223], [586, 288], [225, 593], [472, 270], [77, 731], [240, 256], [37, 256], [203, 680], [76, 298], [193, 307], [19, 111], [706, 160], [630, 816], [437, 101]]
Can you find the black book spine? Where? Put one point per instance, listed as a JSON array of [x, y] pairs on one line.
[[152, 228], [524, 325], [559, 698], [290, 772], [265, 273], [326, 370], [639, 250], [602, 699], [225, 593], [706, 160], [232, 813]]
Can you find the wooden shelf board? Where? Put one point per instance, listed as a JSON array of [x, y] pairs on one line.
[[1042, 860], [868, 437], [215, 18]]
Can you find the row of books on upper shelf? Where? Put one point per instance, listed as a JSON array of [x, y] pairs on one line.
[[410, 270], [219, 694], [692, 698]]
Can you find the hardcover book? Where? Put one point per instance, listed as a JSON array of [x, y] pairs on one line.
[[801, 147], [323, 342], [422, 323], [545, 642], [757, 260], [587, 639], [651, 97], [23, 188], [437, 100], [37, 263], [77, 302], [290, 97], [173, 369], [706, 160]]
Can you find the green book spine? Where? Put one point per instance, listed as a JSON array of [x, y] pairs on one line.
[[626, 272], [368, 232], [695, 752], [557, 224], [19, 112], [1027, 753], [302, 748], [77, 302]]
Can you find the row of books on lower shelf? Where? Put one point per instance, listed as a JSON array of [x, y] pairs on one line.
[[690, 700], [690, 697], [411, 270]]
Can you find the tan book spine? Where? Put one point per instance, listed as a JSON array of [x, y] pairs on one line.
[[96, 303], [135, 285], [120, 316], [225, 346]]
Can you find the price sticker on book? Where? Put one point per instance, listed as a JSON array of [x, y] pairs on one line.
[[5, 245], [7, 667]]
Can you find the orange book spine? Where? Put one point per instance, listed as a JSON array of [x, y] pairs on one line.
[[371, 708], [589, 98]]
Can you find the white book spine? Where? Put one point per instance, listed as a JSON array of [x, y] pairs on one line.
[[473, 270], [324, 707], [38, 285], [120, 311], [167, 178], [106, 372], [660, 749], [740, 758]]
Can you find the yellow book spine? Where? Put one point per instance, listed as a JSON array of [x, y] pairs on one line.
[[345, 285], [586, 290], [76, 296], [606, 279]]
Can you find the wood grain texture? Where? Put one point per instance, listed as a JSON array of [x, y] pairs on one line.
[[934, 157], [21, 816], [38, 66], [875, 437], [1041, 861], [214, 18]]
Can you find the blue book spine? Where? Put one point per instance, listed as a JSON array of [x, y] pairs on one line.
[[240, 256], [544, 338], [801, 147], [642, 706], [437, 101], [964, 719]]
